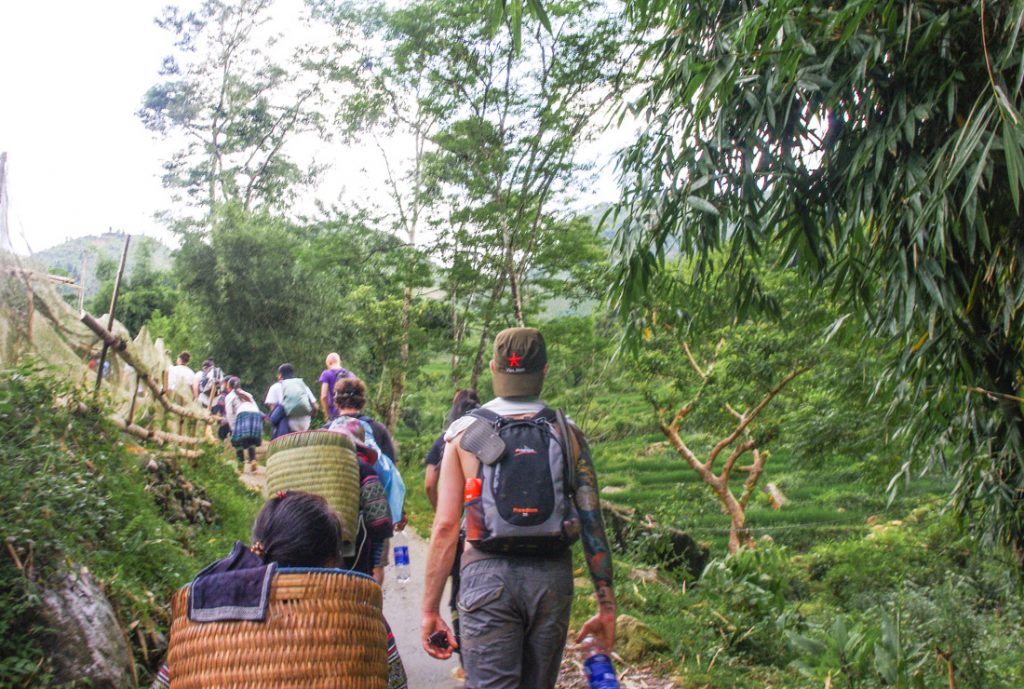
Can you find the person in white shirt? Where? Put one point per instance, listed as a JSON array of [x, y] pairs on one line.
[[180, 378], [291, 390]]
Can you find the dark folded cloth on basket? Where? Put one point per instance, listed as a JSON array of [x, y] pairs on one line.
[[235, 588]]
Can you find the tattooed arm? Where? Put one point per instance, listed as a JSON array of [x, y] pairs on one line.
[[595, 547]]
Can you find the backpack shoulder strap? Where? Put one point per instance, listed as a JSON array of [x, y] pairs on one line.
[[485, 414], [570, 450]]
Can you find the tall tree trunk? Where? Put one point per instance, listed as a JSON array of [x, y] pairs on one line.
[[478, 362], [513, 281], [456, 335], [485, 334], [398, 380]]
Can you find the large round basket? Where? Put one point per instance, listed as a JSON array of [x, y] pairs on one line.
[[324, 630], [323, 463]]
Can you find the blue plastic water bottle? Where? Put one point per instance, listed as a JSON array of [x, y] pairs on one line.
[[598, 666]]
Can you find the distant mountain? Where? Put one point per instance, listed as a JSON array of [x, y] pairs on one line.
[[67, 258]]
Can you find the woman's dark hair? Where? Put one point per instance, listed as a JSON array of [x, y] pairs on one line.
[[287, 371], [465, 400], [296, 529], [350, 393]]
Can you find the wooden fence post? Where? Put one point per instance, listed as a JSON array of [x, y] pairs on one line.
[[135, 394], [113, 305]]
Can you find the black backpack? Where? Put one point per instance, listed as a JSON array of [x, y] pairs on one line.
[[527, 479]]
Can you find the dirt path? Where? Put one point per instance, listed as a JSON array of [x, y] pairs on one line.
[[402, 610]]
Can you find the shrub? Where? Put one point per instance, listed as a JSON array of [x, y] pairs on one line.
[[746, 598]]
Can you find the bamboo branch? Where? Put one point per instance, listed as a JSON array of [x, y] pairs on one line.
[[994, 395]]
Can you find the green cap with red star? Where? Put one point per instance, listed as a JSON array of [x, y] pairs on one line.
[[519, 361]]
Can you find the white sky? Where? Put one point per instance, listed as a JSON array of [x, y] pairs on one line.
[[72, 76]]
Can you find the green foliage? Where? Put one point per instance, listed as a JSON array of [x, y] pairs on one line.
[[260, 291], [233, 105], [145, 293], [748, 592], [874, 146], [72, 494], [841, 653]]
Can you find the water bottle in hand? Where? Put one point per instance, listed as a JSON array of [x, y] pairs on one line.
[[598, 666], [401, 543]]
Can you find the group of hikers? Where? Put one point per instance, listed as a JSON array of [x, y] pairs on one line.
[[513, 487]]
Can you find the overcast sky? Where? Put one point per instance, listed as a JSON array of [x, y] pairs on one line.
[[79, 160]]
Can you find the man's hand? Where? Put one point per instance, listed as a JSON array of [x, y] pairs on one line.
[[602, 627], [432, 622], [401, 523]]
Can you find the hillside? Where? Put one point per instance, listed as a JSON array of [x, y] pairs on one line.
[[67, 257]]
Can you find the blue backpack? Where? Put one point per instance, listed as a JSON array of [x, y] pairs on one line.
[[394, 486]]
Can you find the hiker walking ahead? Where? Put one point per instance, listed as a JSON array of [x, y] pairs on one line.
[[180, 378], [291, 403], [244, 419], [207, 382], [530, 492], [328, 379]]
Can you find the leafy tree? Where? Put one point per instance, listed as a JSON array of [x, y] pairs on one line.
[[877, 147], [495, 129], [145, 293], [232, 106], [263, 291]]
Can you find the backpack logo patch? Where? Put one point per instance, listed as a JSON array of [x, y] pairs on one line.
[[519, 451]]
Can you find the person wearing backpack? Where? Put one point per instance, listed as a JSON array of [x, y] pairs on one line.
[[207, 383], [349, 400], [289, 398], [523, 475]]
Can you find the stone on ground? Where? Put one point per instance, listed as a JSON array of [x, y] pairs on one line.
[[634, 639]]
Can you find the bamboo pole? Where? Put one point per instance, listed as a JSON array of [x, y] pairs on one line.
[[135, 395], [114, 305], [120, 347], [149, 434]]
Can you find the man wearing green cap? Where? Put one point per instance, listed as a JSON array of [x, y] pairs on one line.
[[517, 580]]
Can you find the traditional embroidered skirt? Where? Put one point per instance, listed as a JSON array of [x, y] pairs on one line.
[[248, 430]]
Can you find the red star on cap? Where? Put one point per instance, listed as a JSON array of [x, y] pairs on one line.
[[513, 360]]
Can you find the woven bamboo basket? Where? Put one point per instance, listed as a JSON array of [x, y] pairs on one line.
[[323, 463], [324, 630]]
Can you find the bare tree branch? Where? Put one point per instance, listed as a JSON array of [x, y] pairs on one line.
[[747, 418], [738, 452], [693, 362], [754, 474]]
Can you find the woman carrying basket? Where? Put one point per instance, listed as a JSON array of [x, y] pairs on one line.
[[293, 530]]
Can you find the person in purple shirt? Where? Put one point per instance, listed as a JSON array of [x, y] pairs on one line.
[[328, 379]]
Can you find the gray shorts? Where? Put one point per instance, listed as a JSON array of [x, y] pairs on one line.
[[514, 616]]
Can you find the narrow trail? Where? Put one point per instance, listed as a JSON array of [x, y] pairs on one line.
[[401, 608]]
